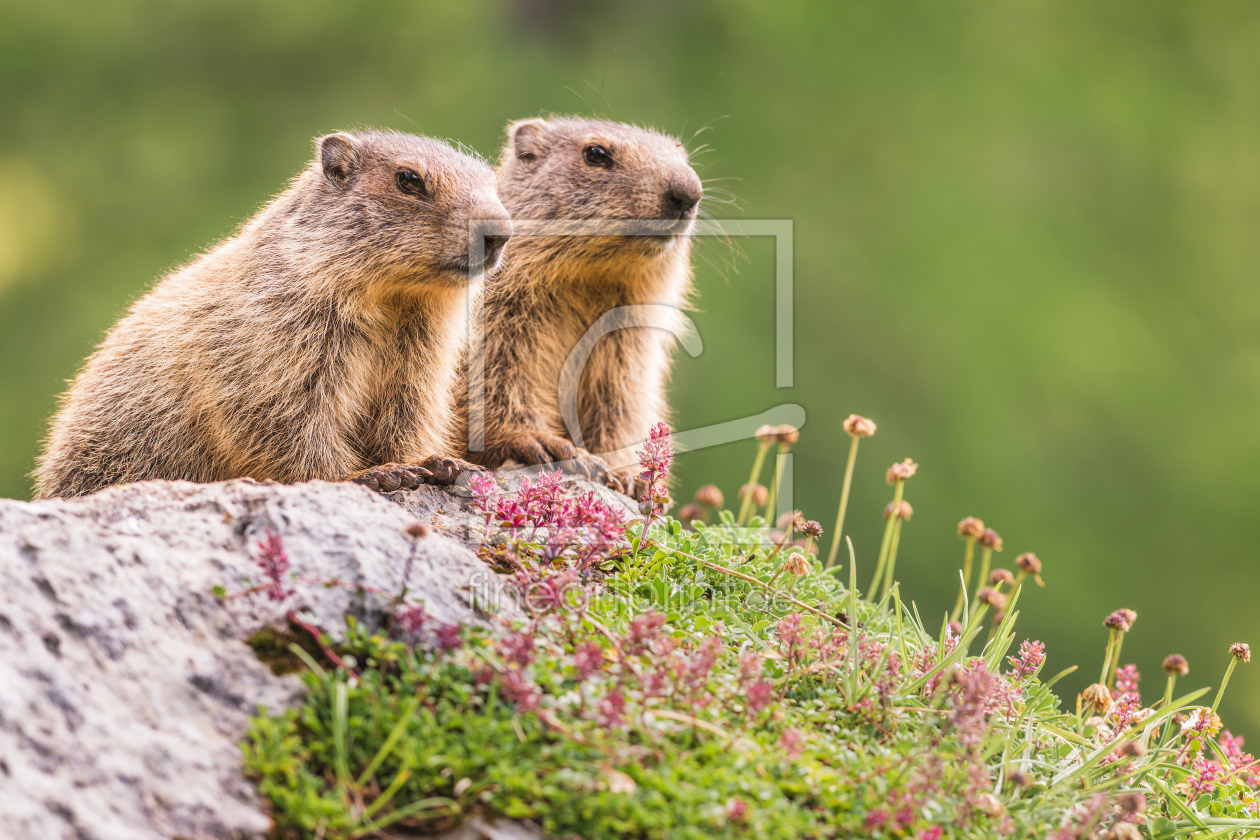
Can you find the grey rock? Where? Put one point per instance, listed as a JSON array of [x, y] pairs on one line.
[[126, 686]]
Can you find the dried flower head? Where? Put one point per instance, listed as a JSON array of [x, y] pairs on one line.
[[812, 529], [999, 577], [1175, 665], [990, 805], [1028, 563], [858, 426], [989, 595], [689, 512], [1121, 620], [787, 435], [904, 511], [1240, 651], [1131, 802], [796, 565], [1096, 698], [767, 435], [1019, 779], [970, 527], [990, 539], [416, 530], [793, 520], [1132, 749], [760, 495], [1123, 831], [710, 496], [901, 471]]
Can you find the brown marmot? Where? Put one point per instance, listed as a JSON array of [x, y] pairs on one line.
[[552, 289], [321, 341]]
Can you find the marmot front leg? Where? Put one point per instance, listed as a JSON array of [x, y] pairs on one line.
[[436, 469], [543, 448]]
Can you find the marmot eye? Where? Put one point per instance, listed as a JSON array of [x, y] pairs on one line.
[[597, 156], [409, 182]]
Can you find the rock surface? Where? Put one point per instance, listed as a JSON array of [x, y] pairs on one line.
[[126, 686]]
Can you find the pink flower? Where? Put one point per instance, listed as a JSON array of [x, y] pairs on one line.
[[449, 637], [482, 486], [518, 689], [587, 659], [760, 694], [644, 629], [612, 710], [1127, 679], [792, 742], [789, 630], [412, 619], [1031, 656], [931, 833], [518, 648], [875, 819], [274, 564], [736, 810], [654, 458]]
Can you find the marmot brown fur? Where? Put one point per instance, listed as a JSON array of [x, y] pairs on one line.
[[321, 341], [552, 289]]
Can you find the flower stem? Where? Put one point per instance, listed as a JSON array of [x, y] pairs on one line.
[[844, 503], [1111, 645], [968, 556], [1115, 660], [986, 559], [887, 542], [779, 462], [1168, 690], [745, 504], [892, 556], [1233, 661]]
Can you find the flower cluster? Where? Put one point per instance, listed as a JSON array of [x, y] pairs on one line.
[[654, 461], [547, 528]]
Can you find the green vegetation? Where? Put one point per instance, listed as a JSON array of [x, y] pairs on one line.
[[1025, 241], [665, 682]]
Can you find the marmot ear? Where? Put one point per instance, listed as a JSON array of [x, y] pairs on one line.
[[338, 156], [528, 139]]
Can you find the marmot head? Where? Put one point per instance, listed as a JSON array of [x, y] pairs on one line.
[[568, 168], [398, 207]]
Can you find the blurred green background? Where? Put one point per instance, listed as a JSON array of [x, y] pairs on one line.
[[1026, 245]]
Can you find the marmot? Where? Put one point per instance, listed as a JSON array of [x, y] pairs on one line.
[[321, 341], [552, 289]]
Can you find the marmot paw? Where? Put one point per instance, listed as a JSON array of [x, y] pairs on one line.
[[390, 477], [546, 449], [446, 471]]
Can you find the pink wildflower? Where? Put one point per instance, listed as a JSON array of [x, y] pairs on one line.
[[875, 818], [274, 564], [612, 710], [655, 458], [412, 619], [736, 810], [587, 659], [1127, 679], [1031, 656], [792, 742]]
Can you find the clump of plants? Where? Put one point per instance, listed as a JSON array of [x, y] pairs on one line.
[[713, 678]]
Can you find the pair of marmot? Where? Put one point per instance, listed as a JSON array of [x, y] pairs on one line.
[[327, 339]]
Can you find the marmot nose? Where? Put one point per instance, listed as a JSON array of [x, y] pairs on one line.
[[680, 199], [494, 244]]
